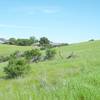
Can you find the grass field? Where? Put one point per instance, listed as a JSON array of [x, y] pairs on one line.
[[77, 78], [8, 49]]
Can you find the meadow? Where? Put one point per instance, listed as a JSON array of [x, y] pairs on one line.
[[77, 78]]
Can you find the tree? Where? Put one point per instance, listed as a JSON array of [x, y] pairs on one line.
[[44, 42], [12, 41], [23, 42], [33, 40]]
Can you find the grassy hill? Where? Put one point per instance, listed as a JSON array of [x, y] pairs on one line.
[[8, 49], [77, 78]]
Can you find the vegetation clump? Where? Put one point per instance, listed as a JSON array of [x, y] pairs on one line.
[[16, 67], [50, 53], [22, 42], [33, 55]]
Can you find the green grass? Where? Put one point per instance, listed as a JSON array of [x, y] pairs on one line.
[[77, 78], [8, 49]]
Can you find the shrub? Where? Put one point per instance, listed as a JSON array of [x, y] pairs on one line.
[[50, 53], [16, 67], [33, 55]]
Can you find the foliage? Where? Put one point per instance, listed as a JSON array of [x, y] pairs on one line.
[[22, 42], [16, 67], [33, 40], [12, 41], [44, 42], [33, 55], [50, 53]]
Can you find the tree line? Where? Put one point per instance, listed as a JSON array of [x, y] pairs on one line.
[[27, 42]]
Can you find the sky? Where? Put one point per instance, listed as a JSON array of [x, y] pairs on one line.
[[60, 20]]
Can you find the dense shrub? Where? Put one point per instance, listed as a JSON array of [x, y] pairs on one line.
[[50, 53], [16, 67], [33, 55]]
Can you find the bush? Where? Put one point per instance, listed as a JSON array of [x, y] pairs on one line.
[[50, 53], [16, 67], [33, 55]]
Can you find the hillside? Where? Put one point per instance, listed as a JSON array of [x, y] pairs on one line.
[[8, 49], [76, 78]]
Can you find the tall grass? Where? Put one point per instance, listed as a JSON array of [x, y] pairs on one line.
[[77, 78]]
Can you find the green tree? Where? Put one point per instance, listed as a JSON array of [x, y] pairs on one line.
[[44, 42], [12, 41], [23, 42], [33, 40]]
